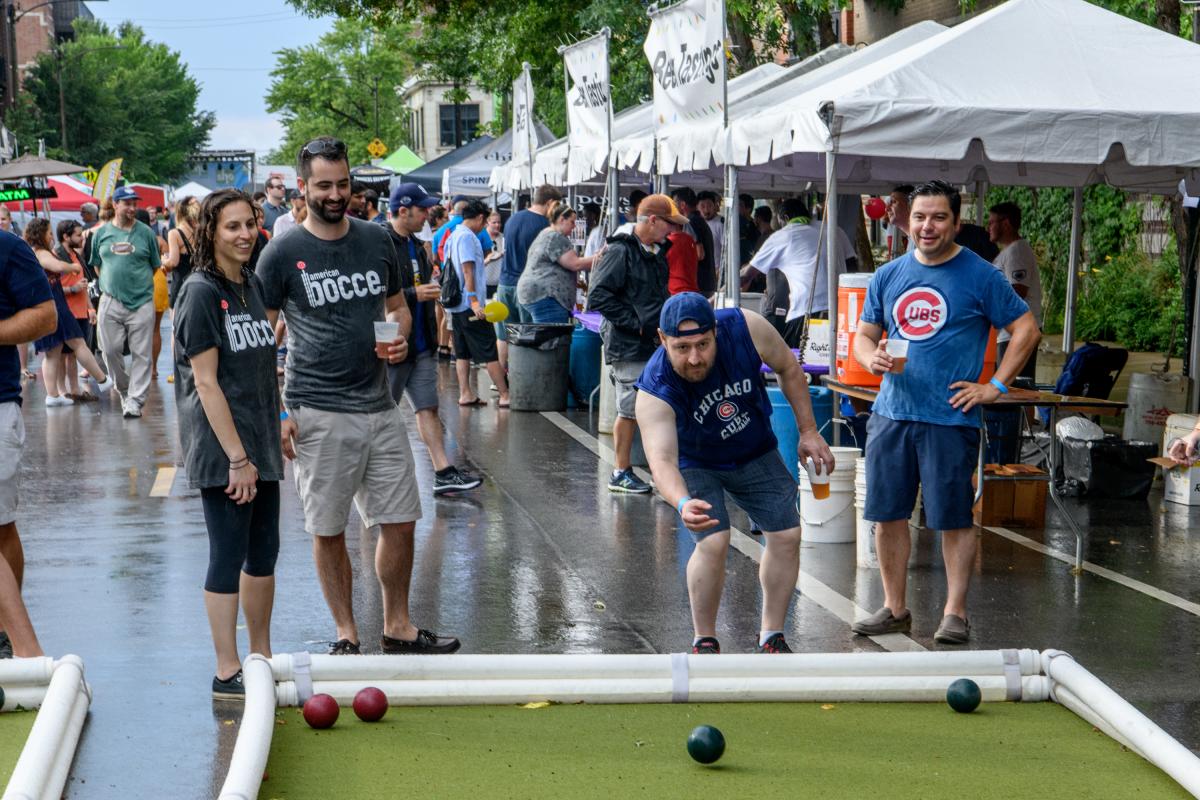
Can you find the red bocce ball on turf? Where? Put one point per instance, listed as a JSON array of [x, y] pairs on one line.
[[320, 711], [370, 704]]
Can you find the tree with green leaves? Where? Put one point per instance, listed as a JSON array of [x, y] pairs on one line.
[[122, 97], [345, 85]]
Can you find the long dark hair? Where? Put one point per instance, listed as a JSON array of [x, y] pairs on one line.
[[204, 258]]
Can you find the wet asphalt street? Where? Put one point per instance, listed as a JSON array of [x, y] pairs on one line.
[[540, 559]]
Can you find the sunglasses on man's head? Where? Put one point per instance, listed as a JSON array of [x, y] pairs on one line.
[[324, 147]]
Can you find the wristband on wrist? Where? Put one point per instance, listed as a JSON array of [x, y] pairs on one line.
[[283, 415], [679, 505], [468, 294], [999, 386]]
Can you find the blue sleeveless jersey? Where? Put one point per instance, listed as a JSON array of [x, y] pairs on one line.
[[723, 421]]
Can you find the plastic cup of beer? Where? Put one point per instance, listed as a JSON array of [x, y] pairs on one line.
[[819, 478], [385, 334], [898, 350]]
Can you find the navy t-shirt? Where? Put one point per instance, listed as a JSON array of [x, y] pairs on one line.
[[23, 285], [519, 232], [724, 421], [946, 312]]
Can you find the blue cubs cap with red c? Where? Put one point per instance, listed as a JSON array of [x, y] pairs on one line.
[[686, 306]]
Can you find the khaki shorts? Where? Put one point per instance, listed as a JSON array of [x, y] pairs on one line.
[[12, 442], [624, 375], [359, 457]]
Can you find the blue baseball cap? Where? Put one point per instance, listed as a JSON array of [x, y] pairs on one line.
[[407, 195], [124, 193], [686, 306]]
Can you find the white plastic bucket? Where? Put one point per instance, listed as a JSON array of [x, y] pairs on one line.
[[830, 520], [864, 529]]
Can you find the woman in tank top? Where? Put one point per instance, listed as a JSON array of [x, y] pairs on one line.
[[178, 261]]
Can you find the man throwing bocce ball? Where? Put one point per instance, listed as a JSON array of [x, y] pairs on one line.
[[703, 411], [939, 302]]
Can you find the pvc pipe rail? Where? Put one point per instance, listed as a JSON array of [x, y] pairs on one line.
[[253, 744], [41, 770]]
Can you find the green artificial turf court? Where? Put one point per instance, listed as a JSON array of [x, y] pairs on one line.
[[14, 730], [847, 750]]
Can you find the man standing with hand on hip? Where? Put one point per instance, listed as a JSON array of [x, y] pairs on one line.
[[334, 278], [943, 300]]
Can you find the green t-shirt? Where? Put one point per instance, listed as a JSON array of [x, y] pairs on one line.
[[127, 261]]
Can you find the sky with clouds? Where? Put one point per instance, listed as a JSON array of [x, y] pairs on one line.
[[229, 46]]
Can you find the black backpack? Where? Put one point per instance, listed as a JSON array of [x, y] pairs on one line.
[[452, 295]]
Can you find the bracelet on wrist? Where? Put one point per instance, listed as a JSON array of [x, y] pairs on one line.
[[679, 505], [283, 415], [999, 386]]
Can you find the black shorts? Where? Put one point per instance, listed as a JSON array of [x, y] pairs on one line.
[[474, 338]]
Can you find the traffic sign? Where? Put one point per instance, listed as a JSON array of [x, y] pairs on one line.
[[377, 148]]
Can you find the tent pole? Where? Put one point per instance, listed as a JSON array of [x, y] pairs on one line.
[[1068, 342], [831, 245], [733, 245], [614, 198], [1194, 353], [979, 204]]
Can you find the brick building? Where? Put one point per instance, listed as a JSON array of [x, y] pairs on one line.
[[868, 21], [38, 26]]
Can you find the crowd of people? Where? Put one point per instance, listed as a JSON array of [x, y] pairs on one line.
[[259, 290]]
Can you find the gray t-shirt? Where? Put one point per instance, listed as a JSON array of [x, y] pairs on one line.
[[210, 312], [332, 294], [544, 276]]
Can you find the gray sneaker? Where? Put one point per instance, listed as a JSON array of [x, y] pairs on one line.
[[953, 630], [882, 622], [626, 482]]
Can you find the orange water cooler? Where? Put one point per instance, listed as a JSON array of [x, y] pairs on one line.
[[852, 295]]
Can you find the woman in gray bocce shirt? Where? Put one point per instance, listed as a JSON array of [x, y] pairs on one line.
[[229, 416]]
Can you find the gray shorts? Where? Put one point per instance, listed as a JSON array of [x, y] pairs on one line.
[[418, 379], [12, 442], [624, 375], [364, 458]]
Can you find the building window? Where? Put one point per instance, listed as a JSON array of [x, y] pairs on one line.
[[468, 116]]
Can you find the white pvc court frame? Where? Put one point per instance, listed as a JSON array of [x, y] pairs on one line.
[[456, 680], [57, 689]]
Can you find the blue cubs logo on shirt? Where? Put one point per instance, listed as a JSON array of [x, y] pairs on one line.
[[920, 313]]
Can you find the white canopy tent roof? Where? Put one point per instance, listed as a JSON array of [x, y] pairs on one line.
[[1081, 95], [472, 177], [191, 189]]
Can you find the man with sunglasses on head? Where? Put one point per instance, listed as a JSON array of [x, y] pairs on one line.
[[275, 206], [335, 277]]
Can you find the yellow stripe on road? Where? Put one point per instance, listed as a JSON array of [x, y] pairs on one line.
[[163, 482]]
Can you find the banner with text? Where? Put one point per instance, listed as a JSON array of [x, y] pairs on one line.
[[589, 108], [686, 50], [524, 142]]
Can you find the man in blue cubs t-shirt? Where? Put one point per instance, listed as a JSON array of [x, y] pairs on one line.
[[943, 300], [705, 420]]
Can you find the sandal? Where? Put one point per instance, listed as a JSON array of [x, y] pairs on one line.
[[84, 397], [478, 401]]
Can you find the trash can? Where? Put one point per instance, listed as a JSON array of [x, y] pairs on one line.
[[539, 364], [585, 366]]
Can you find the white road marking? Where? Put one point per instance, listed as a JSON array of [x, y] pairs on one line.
[[163, 482], [841, 607]]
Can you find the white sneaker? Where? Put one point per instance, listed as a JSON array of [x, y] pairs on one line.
[[132, 410], [104, 387], [58, 400]]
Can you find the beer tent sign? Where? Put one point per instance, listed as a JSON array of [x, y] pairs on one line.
[[686, 50], [589, 107]]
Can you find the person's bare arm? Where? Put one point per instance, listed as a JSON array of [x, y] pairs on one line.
[[575, 262], [287, 427], [397, 311], [50, 263], [868, 348], [475, 304], [656, 422], [29, 324], [1025, 337], [171, 260], [243, 474], [775, 353]]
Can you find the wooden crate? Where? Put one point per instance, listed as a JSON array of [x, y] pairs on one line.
[[1021, 502]]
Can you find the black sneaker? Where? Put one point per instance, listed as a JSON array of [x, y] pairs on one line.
[[229, 689], [775, 644], [5, 645], [454, 480], [426, 643], [344, 647], [707, 646]]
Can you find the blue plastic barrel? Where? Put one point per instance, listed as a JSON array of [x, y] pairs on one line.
[[783, 422], [585, 366]]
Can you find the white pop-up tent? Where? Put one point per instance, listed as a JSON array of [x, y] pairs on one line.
[[473, 176]]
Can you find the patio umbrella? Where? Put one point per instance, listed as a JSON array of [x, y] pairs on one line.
[[30, 166]]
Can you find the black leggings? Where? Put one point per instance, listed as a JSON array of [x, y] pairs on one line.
[[241, 538]]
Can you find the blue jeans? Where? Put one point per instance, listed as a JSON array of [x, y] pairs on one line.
[[516, 311], [548, 310]]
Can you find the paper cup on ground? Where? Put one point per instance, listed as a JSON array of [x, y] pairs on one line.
[[819, 479], [898, 350], [385, 334]]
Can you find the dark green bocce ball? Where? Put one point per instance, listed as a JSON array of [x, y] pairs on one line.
[[963, 695], [706, 744]]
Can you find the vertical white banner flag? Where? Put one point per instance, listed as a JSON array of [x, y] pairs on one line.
[[524, 144], [589, 107], [686, 50]]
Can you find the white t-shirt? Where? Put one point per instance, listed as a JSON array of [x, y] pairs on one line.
[[283, 224], [595, 241], [1019, 265], [791, 250]]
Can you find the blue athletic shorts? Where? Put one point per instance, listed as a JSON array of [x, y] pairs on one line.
[[763, 488], [902, 455]]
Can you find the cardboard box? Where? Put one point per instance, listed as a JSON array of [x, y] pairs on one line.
[[1181, 484], [1020, 502]]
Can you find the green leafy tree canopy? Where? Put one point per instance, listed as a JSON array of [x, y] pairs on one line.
[[335, 86], [124, 96]]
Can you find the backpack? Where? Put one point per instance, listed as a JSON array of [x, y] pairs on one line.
[[452, 295]]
